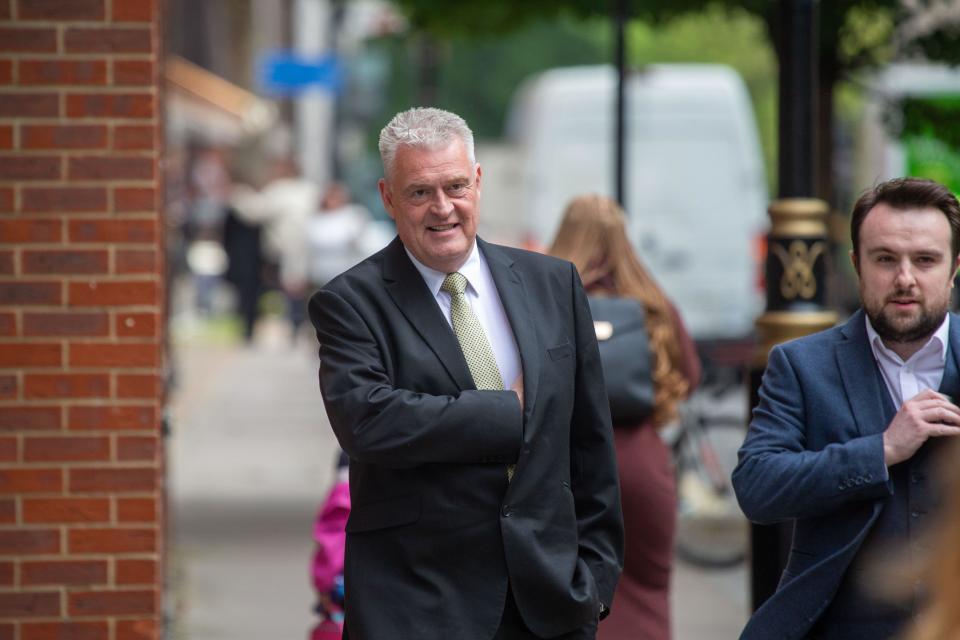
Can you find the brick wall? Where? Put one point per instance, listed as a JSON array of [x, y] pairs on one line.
[[81, 331]]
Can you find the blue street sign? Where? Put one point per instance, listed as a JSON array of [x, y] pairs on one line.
[[285, 73]]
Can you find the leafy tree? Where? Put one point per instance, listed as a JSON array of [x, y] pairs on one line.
[[853, 34], [476, 75]]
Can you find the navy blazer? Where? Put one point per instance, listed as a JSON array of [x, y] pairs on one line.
[[814, 455], [436, 531]]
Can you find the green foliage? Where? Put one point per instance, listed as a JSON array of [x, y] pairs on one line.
[[446, 19], [930, 132], [940, 45], [491, 45], [933, 159], [476, 76], [936, 117], [864, 36]]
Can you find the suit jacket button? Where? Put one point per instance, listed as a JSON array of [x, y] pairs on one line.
[[506, 511]]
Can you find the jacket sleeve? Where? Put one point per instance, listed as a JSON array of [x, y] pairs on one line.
[[376, 422], [777, 478], [595, 483]]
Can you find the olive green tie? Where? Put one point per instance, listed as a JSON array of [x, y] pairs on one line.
[[473, 341]]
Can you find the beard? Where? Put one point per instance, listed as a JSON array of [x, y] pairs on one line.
[[915, 329]]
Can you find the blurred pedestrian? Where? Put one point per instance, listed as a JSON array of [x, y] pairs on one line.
[[592, 235], [283, 208], [329, 536], [463, 380], [335, 235], [245, 266], [849, 420], [208, 194]]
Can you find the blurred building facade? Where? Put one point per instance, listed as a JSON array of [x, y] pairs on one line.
[[234, 39]]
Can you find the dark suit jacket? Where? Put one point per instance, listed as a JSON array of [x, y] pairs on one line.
[[436, 530], [814, 455]]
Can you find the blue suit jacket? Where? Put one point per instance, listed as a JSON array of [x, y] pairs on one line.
[[814, 455]]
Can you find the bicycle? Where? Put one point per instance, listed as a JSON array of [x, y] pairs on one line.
[[712, 531]]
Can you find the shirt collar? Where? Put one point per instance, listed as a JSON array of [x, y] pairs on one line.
[[937, 342], [471, 270]]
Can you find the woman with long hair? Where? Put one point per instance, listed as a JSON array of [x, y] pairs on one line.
[[593, 237]]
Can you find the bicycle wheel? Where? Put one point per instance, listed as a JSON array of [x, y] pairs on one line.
[[712, 531]]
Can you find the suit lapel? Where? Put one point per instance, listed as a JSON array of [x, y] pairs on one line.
[[516, 304], [411, 295], [858, 369], [950, 384]]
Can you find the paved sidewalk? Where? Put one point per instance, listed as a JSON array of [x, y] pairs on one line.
[[250, 457], [709, 605]]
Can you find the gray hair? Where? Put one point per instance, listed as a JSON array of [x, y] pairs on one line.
[[423, 127]]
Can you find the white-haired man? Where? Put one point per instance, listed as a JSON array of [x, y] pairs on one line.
[[463, 379]]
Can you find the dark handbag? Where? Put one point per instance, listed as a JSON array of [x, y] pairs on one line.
[[625, 356]]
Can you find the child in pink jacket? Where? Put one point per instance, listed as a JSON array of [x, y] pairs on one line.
[[330, 537]]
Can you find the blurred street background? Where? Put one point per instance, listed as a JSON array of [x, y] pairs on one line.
[[251, 458], [272, 111]]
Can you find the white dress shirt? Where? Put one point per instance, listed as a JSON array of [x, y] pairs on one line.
[[923, 370], [485, 301]]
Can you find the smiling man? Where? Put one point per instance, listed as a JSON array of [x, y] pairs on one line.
[[463, 379], [850, 420]]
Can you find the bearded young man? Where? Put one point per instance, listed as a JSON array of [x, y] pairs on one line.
[[849, 422]]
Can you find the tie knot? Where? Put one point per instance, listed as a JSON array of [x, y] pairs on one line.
[[455, 283]]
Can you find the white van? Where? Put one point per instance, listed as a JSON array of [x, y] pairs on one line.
[[695, 186]]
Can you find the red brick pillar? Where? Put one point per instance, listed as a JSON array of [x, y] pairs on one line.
[[81, 331]]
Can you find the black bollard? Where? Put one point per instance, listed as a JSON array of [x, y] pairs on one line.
[[796, 248]]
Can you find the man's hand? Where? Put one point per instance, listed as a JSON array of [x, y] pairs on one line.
[[926, 415], [517, 387]]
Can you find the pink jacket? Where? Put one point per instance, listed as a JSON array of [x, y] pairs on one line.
[[330, 536]]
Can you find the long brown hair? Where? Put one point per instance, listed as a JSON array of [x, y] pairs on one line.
[[593, 237]]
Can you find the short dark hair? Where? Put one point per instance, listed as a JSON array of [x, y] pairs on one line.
[[907, 193]]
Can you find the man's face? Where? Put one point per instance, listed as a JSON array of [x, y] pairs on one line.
[[433, 195], [906, 272]]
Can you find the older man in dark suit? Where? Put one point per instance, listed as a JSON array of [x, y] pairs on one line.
[[463, 379], [850, 419]]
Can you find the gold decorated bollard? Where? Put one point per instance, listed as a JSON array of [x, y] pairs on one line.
[[796, 266], [798, 280], [795, 273], [798, 247]]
